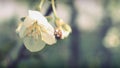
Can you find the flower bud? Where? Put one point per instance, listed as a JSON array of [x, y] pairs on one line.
[[59, 22], [63, 30]]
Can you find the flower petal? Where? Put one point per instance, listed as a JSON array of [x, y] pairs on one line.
[[19, 28], [47, 34], [42, 21], [48, 38], [33, 45], [67, 28], [37, 16], [65, 34], [22, 31], [47, 31], [27, 22]]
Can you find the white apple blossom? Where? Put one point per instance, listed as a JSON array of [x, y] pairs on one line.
[[36, 31]]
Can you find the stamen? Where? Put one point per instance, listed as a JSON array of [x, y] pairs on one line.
[[33, 31]]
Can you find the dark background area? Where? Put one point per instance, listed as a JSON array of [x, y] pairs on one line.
[[93, 43]]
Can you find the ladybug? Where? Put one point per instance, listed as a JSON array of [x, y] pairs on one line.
[[58, 33]]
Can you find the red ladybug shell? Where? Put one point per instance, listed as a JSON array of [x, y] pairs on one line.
[[58, 33]]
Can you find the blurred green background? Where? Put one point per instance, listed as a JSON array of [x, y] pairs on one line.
[[93, 43]]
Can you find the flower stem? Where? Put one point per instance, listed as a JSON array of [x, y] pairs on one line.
[[53, 7], [41, 4]]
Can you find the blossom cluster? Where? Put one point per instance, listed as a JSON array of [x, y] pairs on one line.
[[36, 31]]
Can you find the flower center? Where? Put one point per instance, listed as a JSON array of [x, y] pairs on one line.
[[33, 31]]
